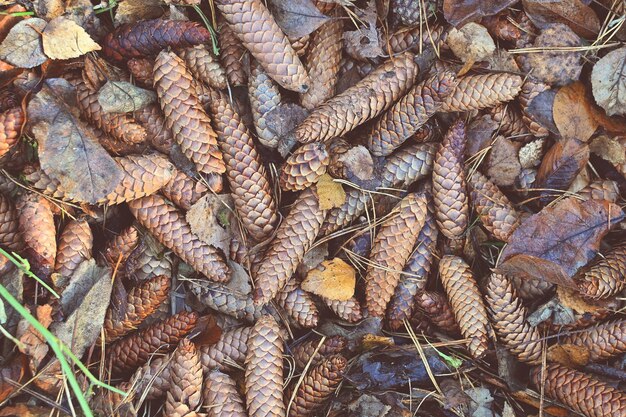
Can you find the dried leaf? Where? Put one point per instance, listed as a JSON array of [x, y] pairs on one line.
[[209, 218], [371, 341], [471, 43], [540, 110], [503, 165], [13, 371], [25, 410], [364, 42], [552, 244], [572, 299], [68, 150], [458, 12], [333, 279], [568, 355], [32, 343], [207, 330], [330, 193], [560, 166], [64, 39], [124, 97], [297, 18], [574, 13], [23, 47], [608, 81], [131, 11], [609, 149], [573, 113]]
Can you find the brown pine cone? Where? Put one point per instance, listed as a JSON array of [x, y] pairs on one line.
[[169, 226], [602, 341], [412, 39], [255, 26], [391, 249], [300, 45], [476, 92], [9, 225], [531, 289], [600, 190], [362, 102], [449, 189], [348, 310], [221, 398], [186, 379], [529, 91], [604, 277], [410, 113], [408, 165], [137, 348], [339, 217], [118, 148], [230, 350], [204, 66], [153, 378], [305, 352], [74, 246], [494, 209], [148, 260], [119, 248], [508, 316], [298, 304], [264, 370], [304, 167], [148, 37], [579, 391], [466, 302], [184, 115], [11, 122], [438, 310], [36, 227], [292, 240], [184, 190], [323, 62], [510, 122], [223, 299], [318, 386], [247, 177], [264, 96], [141, 302], [159, 136], [141, 70], [232, 54], [407, 12]]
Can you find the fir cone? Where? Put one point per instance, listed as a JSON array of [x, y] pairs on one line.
[[231, 350], [232, 54], [184, 190], [159, 136], [406, 12], [476, 92], [438, 310], [75, 246], [119, 248], [510, 122], [223, 299], [9, 225], [221, 397], [602, 341], [529, 91], [117, 148], [204, 66], [305, 352], [264, 96], [350, 210], [348, 310], [600, 190], [11, 122], [141, 70], [408, 165], [300, 45], [304, 167], [36, 227], [466, 302], [298, 304], [414, 39], [153, 378], [604, 277], [186, 379], [531, 289], [148, 260]]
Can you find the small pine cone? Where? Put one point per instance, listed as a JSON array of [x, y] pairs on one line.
[[119, 126], [494, 209], [408, 165], [137, 348], [305, 352], [184, 190], [264, 370], [466, 302], [159, 136], [221, 398], [184, 114], [264, 96], [577, 390], [298, 304], [508, 316], [141, 70], [223, 299], [304, 167], [121, 246], [412, 39], [531, 289], [322, 65], [36, 227], [153, 378], [231, 350], [169, 226], [204, 66], [600, 190], [141, 302], [148, 37], [232, 54], [449, 189], [362, 102], [410, 113], [477, 92], [11, 122], [249, 181], [255, 26], [348, 310], [74, 246], [391, 249], [529, 91], [407, 12], [9, 225], [318, 386], [438, 310], [186, 378], [606, 276], [339, 217], [602, 341], [510, 122], [292, 240]]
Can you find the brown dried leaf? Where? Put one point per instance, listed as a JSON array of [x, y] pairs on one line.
[[131, 11], [503, 165], [573, 113], [333, 279], [207, 330], [32, 343], [25, 410], [364, 42], [540, 110], [552, 244], [209, 219], [568, 355], [22, 47], [330, 193], [297, 18], [608, 81], [458, 12], [609, 149], [64, 39], [13, 371], [560, 166], [471, 43], [124, 97], [574, 13]]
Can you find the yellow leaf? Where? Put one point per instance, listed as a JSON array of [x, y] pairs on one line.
[[330, 193], [64, 39], [333, 279], [371, 341]]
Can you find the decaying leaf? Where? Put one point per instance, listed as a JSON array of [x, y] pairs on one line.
[[124, 97], [297, 18], [610, 149], [574, 13], [458, 12], [64, 39], [540, 110], [23, 47], [552, 244], [503, 165], [333, 279], [32, 343], [608, 81], [573, 114], [364, 42], [330, 193], [130, 11], [568, 355], [209, 219], [13, 371], [471, 43], [560, 165]]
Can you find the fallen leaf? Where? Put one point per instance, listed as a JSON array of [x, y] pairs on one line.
[[540, 110], [503, 165], [25, 410], [573, 114], [282, 120], [330, 193], [64, 39], [297, 18], [479, 134], [608, 82], [458, 12], [23, 47], [333, 279], [207, 330], [481, 400], [371, 341], [313, 258], [8, 20], [471, 43], [560, 165], [568, 355], [124, 97], [69, 152], [574, 13], [364, 42], [552, 244], [571, 298], [131, 11], [14, 371], [609, 149], [32, 343], [208, 217]]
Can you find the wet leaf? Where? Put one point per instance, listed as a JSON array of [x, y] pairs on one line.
[[574, 13], [573, 113], [297, 18], [64, 39], [124, 97], [608, 81], [204, 218], [333, 279], [23, 47], [560, 166], [330, 193], [458, 12], [552, 244]]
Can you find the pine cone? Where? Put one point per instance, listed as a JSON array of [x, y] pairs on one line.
[[494, 209], [449, 189], [600, 190], [11, 122], [530, 90], [318, 386], [292, 240], [339, 217], [477, 92], [508, 316], [184, 190], [367, 99], [408, 165], [141, 70], [204, 66], [148, 37], [604, 277], [305, 352], [75, 246], [137, 348], [120, 247], [232, 54], [169, 226], [348, 310], [186, 379], [531, 289], [223, 299], [264, 370], [602, 341], [159, 136], [153, 378], [221, 397], [466, 302], [231, 349], [390, 251], [247, 177], [410, 113], [9, 225], [407, 12], [36, 227], [304, 167], [117, 148], [510, 122], [184, 115], [579, 391], [256, 28], [298, 304], [300, 45], [148, 260], [412, 39], [264, 96], [438, 310], [143, 175]]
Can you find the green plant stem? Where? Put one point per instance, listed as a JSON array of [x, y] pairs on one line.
[[92, 378], [216, 50], [24, 266]]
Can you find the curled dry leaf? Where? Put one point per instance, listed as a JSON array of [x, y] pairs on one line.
[[568, 355], [458, 12], [608, 81], [23, 47], [330, 193], [573, 114], [297, 18], [64, 39], [333, 279], [552, 244], [471, 43], [124, 97], [574, 13], [209, 219]]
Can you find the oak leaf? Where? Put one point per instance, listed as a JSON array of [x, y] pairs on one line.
[[608, 82], [333, 279], [330, 193], [64, 39], [573, 114], [23, 47]]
